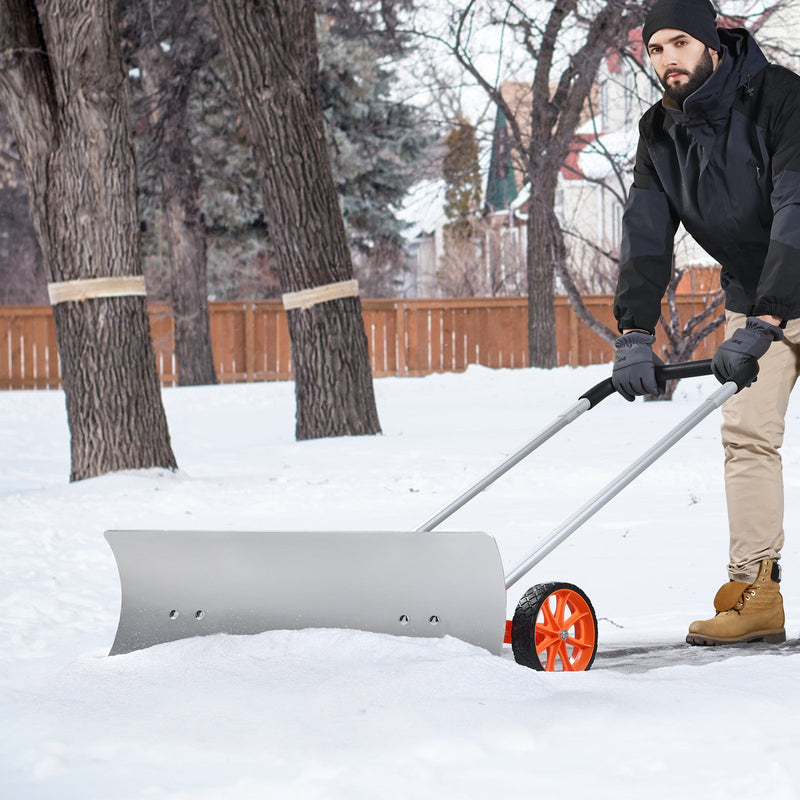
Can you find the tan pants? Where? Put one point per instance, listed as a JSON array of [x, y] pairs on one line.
[[752, 434]]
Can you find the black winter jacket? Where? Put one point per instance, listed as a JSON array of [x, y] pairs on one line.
[[728, 167]]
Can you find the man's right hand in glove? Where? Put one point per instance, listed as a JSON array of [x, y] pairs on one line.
[[634, 365]]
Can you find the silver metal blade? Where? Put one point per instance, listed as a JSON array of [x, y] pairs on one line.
[[177, 584]]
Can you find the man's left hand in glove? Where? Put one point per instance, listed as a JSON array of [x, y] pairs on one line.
[[744, 346]]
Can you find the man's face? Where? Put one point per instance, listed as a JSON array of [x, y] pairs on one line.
[[683, 64]]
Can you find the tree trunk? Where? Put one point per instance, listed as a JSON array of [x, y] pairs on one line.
[[545, 250], [272, 56], [542, 128], [167, 87], [62, 82], [114, 409], [188, 272]]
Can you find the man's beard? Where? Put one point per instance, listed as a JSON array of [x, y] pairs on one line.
[[702, 72]]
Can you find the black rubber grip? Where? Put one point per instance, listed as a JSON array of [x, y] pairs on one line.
[[667, 372]]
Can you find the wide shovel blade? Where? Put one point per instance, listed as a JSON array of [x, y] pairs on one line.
[[177, 584]]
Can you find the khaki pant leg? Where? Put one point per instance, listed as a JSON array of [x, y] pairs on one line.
[[752, 434]]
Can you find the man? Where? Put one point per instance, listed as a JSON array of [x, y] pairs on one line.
[[721, 154]]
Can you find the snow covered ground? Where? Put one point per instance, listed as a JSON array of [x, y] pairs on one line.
[[351, 715]]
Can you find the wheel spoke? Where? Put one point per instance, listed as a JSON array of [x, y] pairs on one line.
[[550, 620], [552, 655], [578, 644], [566, 664], [561, 604], [546, 640], [548, 630], [574, 619]]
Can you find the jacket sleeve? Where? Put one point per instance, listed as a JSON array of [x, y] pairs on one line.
[[778, 291], [648, 233]]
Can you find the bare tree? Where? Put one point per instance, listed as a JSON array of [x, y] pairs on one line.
[[271, 53], [64, 88], [543, 124], [168, 42]]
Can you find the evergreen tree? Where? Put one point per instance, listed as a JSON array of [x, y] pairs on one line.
[[240, 257], [461, 173], [376, 140]]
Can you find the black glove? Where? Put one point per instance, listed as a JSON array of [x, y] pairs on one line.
[[634, 365], [745, 346]]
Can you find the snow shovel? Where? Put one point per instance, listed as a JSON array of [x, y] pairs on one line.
[[178, 584]]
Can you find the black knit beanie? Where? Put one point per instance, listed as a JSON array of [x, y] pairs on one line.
[[695, 17]]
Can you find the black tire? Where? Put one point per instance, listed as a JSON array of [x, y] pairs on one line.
[[554, 629]]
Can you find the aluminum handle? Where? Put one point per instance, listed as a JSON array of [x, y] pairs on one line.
[[562, 421], [714, 401], [688, 369]]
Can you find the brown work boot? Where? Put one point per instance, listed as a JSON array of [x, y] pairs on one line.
[[745, 612]]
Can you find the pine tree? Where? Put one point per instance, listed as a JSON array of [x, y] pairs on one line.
[[461, 173], [374, 139]]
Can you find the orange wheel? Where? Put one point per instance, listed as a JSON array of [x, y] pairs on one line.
[[554, 629]]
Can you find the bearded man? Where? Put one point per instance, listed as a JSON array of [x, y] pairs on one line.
[[720, 153]]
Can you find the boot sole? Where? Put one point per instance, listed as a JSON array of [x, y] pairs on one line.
[[769, 637]]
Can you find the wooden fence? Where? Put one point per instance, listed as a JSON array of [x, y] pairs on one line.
[[250, 339]]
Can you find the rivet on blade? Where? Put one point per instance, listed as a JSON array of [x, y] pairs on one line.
[[403, 619]]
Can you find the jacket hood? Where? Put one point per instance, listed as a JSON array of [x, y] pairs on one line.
[[741, 60], [746, 53]]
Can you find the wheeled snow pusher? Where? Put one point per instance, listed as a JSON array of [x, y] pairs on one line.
[[178, 584]]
